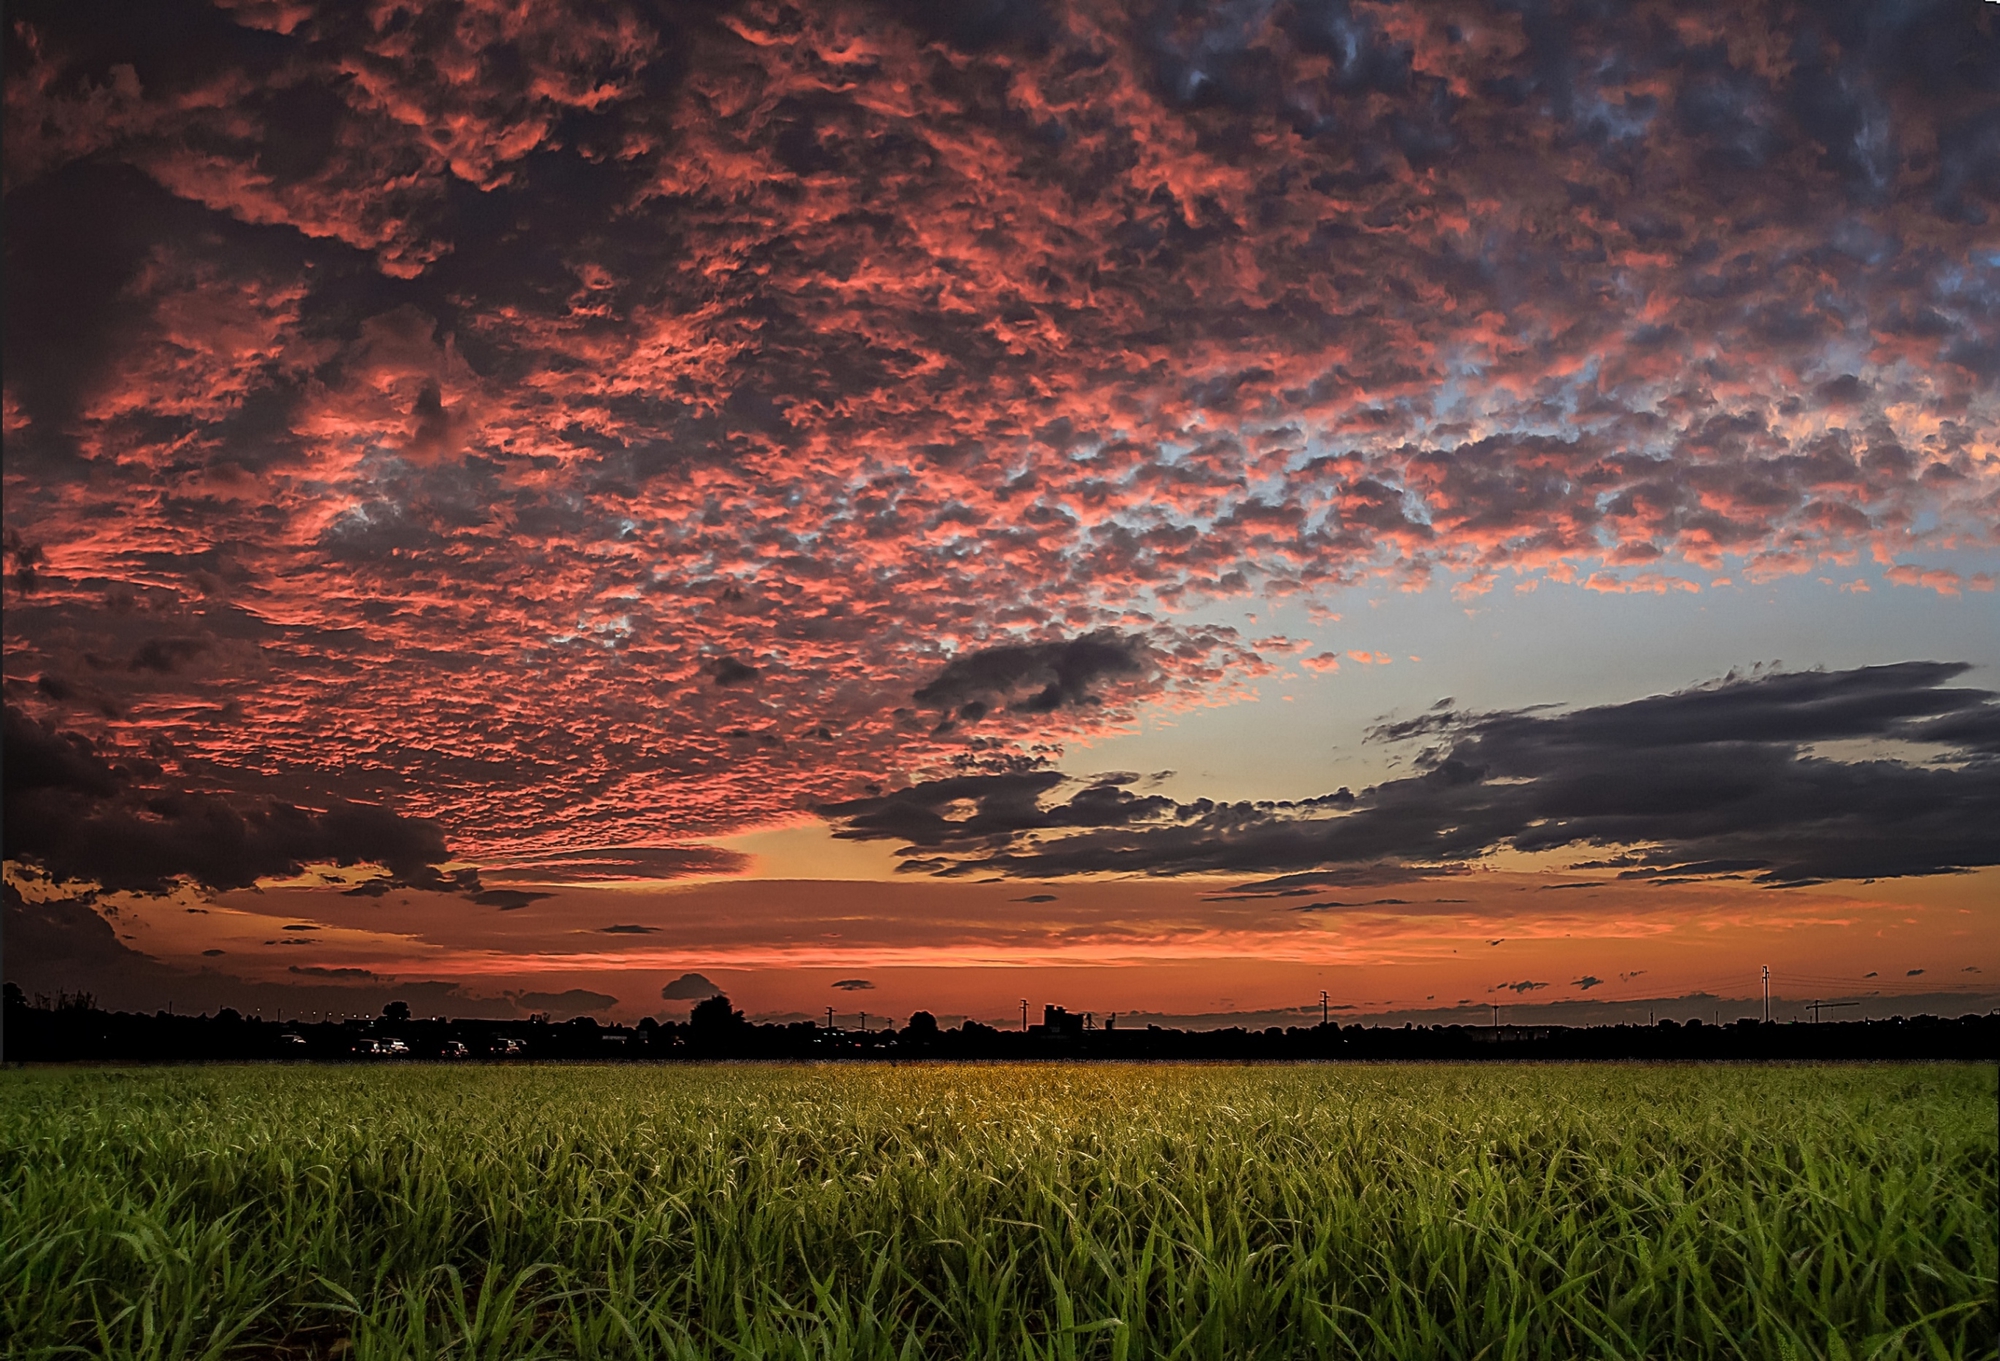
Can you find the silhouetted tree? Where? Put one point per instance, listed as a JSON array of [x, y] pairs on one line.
[[923, 1028], [713, 1018], [396, 1011]]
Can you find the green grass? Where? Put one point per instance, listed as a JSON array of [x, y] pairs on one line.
[[1114, 1211]]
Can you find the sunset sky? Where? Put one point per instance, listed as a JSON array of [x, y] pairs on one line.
[[1158, 509]]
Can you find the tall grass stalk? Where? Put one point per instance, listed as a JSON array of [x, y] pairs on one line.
[[1121, 1212]]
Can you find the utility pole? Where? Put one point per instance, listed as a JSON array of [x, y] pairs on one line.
[[1322, 1006], [864, 1023], [829, 1018], [1816, 1006], [1024, 1015], [1496, 1014], [1767, 994]]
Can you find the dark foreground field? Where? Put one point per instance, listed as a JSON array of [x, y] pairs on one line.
[[1111, 1211]]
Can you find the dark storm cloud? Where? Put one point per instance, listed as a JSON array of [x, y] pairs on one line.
[[1035, 678], [1720, 780], [730, 671], [59, 944], [1002, 807], [62, 943], [853, 985], [123, 825], [168, 655], [689, 987]]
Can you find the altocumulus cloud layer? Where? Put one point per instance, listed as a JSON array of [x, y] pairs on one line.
[[584, 426], [1724, 780]]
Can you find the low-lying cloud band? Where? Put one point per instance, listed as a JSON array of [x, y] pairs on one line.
[[1723, 779]]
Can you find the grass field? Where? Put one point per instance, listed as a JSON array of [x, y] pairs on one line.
[[1114, 1211]]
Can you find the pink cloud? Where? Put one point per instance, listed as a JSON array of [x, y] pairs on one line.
[[1647, 583], [1940, 579], [596, 428]]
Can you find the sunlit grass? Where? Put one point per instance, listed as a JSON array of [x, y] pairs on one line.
[[1102, 1211]]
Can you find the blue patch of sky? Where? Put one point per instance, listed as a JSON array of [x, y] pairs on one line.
[[1560, 644]]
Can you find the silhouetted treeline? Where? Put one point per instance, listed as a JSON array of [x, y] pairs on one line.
[[73, 1029]]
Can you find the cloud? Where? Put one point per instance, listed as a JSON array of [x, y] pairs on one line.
[[818, 365], [689, 987], [1719, 780], [55, 942], [506, 899], [1356, 907], [854, 985], [168, 655], [627, 930], [730, 671], [611, 865], [1523, 986], [571, 1002], [1587, 982], [1035, 678], [125, 825], [59, 943], [971, 809]]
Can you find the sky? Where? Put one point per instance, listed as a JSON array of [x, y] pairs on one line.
[[1475, 510]]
